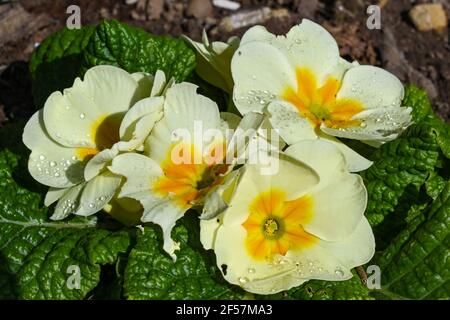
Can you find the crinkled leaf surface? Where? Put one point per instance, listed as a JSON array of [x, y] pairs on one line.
[[133, 49], [36, 254], [152, 274]]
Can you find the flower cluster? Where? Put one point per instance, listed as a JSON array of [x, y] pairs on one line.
[[146, 149]]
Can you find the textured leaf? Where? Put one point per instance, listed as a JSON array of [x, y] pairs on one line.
[[416, 264], [57, 61], [423, 113], [406, 161], [351, 289], [152, 274], [134, 50], [35, 253]]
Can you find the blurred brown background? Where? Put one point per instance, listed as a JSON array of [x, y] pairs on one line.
[[413, 41]]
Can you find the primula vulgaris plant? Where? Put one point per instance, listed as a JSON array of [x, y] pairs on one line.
[[272, 178]]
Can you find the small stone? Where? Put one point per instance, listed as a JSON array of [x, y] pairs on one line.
[[245, 18], [428, 17], [155, 9], [200, 9]]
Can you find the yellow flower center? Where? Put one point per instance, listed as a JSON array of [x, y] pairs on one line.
[[275, 226], [104, 134], [271, 227], [319, 104], [189, 181]]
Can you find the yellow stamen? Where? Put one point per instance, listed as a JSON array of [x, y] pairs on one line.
[[275, 225]]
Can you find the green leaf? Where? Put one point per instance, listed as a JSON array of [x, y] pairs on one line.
[[406, 161], [57, 61], [36, 254], [152, 274], [422, 112], [416, 264], [133, 49], [351, 289]]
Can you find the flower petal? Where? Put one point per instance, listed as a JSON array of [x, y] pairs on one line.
[[139, 110], [380, 124], [140, 171], [105, 94], [145, 84], [257, 33], [309, 45], [340, 198], [259, 178], [290, 125], [164, 213], [322, 156], [261, 72], [214, 202], [141, 131], [187, 115], [98, 163], [337, 208], [159, 84], [254, 276], [97, 193], [208, 231], [68, 203], [53, 195], [371, 86], [51, 163], [355, 162], [333, 260]]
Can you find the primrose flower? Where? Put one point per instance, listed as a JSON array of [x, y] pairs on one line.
[[214, 59], [284, 229], [310, 92], [183, 166], [79, 131]]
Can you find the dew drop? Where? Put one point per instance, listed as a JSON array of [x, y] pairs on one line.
[[243, 280], [251, 270], [339, 272], [52, 164], [57, 174], [42, 157], [82, 116], [91, 205]]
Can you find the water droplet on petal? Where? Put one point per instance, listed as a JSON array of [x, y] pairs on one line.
[[339, 272], [251, 270], [82, 116], [42, 157], [243, 280], [52, 164]]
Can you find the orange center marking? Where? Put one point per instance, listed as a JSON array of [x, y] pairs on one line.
[[275, 226], [319, 104], [192, 179]]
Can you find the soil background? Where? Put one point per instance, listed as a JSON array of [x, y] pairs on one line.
[[422, 58]]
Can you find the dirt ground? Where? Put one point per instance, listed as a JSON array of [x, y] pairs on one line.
[[416, 57]]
